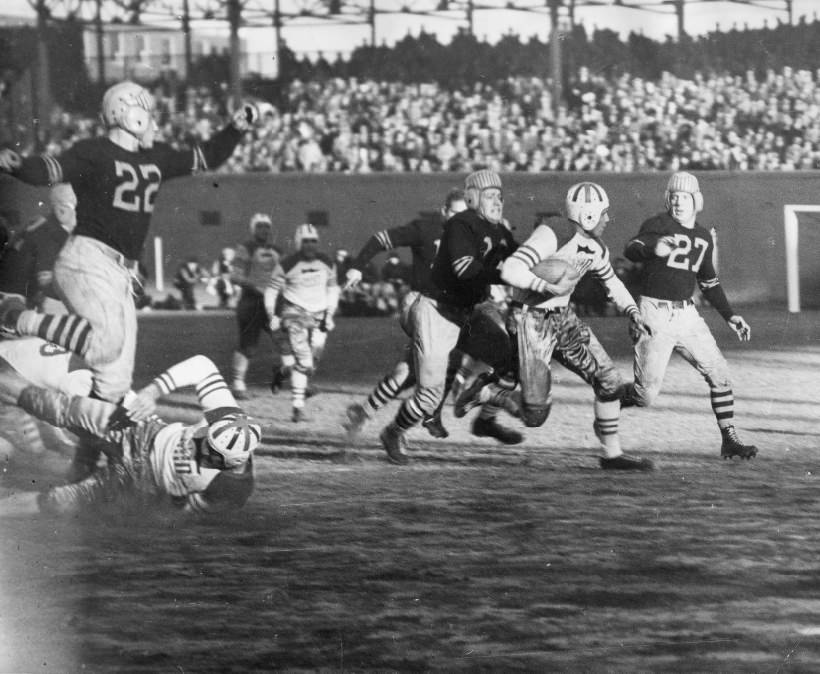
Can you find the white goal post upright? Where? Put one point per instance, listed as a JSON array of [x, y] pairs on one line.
[[159, 279], [790, 224]]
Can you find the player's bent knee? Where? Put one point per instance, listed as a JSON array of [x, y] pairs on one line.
[[534, 415]]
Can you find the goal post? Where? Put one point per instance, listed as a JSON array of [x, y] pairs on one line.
[[159, 279], [790, 225]]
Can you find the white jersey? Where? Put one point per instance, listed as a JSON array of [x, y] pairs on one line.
[[175, 468], [308, 283], [47, 365], [560, 238]]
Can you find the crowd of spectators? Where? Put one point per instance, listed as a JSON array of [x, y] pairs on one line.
[[627, 124], [343, 118]]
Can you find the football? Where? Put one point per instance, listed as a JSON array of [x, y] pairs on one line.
[[554, 269]]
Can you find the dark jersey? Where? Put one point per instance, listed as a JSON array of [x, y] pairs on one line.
[[692, 259], [116, 189], [421, 236], [468, 259], [43, 242]]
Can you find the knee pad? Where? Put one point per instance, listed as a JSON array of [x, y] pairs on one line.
[[534, 415]]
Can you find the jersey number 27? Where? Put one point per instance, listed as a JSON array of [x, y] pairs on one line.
[[679, 258]]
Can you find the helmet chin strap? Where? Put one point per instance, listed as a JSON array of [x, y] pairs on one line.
[[125, 139]]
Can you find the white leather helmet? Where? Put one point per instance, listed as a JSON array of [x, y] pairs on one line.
[[232, 439], [128, 106], [259, 219], [586, 202], [306, 232]]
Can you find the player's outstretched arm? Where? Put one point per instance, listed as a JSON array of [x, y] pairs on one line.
[[198, 371]]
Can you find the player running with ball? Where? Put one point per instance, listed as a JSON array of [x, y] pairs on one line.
[[676, 252], [546, 325]]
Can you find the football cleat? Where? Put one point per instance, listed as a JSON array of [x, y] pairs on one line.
[[356, 419], [298, 415], [732, 446], [10, 308], [490, 428], [310, 391], [395, 445], [470, 396], [435, 427], [240, 393], [277, 380], [626, 462]]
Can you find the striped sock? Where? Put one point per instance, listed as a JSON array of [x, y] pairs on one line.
[[298, 385], [488, 411], [412, 409], [607, 416], [723, 405], [498, 397], [70, 331], [386, 390]]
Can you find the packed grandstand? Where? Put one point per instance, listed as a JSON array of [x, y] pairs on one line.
[[633, 105]]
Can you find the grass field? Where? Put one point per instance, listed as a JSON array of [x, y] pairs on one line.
[[475, 557]]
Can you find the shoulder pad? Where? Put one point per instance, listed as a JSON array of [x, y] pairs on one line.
[[324, 257], [563, 229]]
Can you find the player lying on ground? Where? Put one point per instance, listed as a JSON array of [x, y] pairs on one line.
[[544, 271], [200, 468], [675, 252], [423, 237], [116, 178], [49, 366]]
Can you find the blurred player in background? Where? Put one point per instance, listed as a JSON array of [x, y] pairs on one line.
[[473, 245], [221, 283], [116, 179], [306, 282], [676, 252], [205, 467], [546, 326], [253, 265], [423, 237]]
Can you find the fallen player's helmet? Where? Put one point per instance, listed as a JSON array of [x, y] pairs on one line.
[[684, 182], [306, 232], [476, 183], [586, 202], [232, 438], [130, 107]]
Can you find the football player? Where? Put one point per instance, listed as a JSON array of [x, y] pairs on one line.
[[676, 252], [546, 326], [253, 265], [423, 237], [473, 244], [205, 467], [116, 179], [306, 281], [47, 365]]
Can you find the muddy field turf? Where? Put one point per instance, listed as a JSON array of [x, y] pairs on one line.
[[475, 557]]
